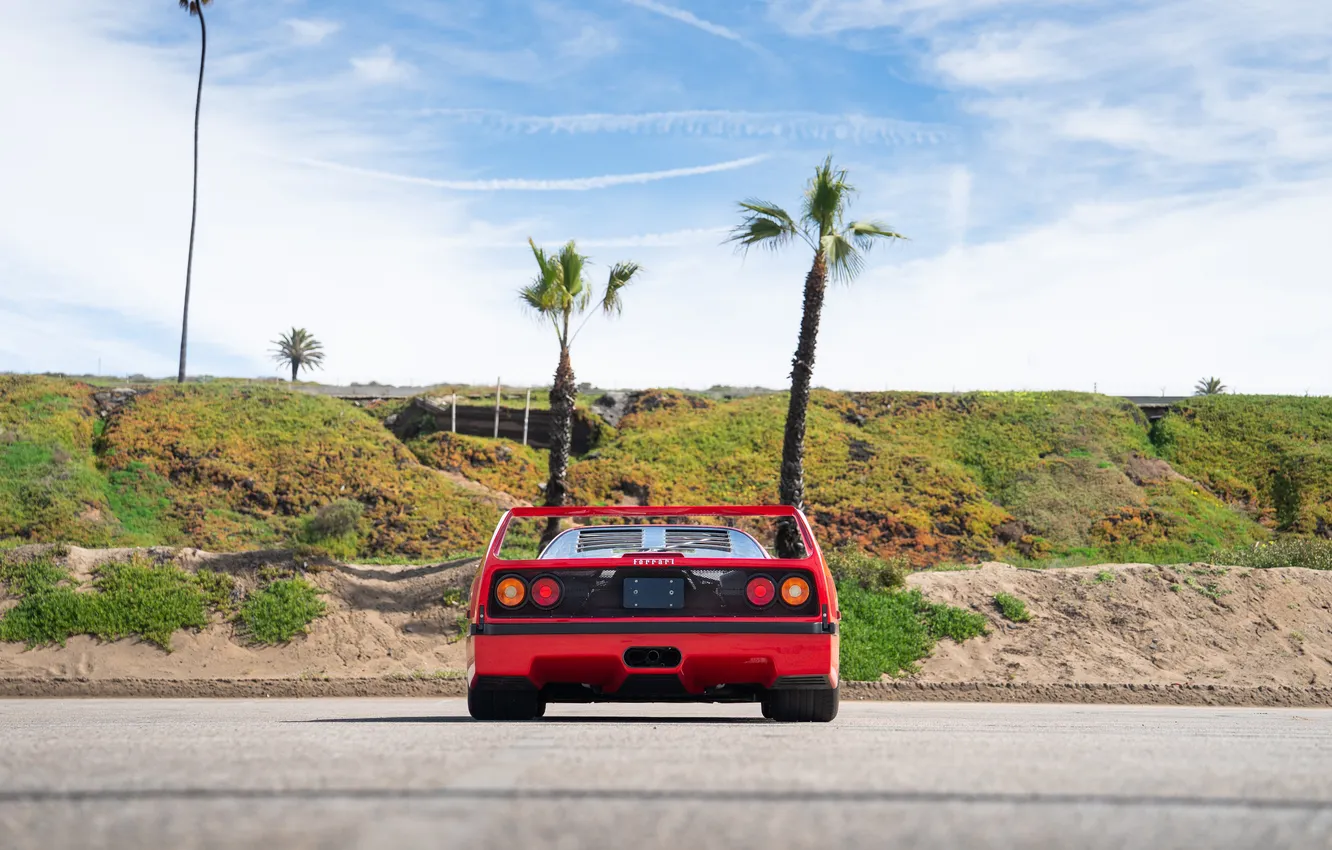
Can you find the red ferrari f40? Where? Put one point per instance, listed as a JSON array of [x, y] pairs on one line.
[[652, 604]]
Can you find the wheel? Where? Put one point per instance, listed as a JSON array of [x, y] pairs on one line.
[[504, 705], [803, 706]]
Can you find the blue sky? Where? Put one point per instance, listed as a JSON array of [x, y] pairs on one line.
[[1126, 195]]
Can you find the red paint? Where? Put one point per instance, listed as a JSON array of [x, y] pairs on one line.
[[707, 659]]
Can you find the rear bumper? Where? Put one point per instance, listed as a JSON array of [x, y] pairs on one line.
[[710, 663]]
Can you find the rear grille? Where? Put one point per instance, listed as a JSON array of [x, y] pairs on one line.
[[711, 539], [599, 539]]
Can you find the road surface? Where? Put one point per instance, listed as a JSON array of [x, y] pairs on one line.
[[375, 773]]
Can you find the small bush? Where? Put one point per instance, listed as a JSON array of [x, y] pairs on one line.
[[852, 566], [333, 530], [1012, 608], [1105, 577], [335, 520], [279, 611], [1312, 553], [890, 632], [132, 599]]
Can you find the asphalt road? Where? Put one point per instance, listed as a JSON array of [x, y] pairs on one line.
[[375, 773]]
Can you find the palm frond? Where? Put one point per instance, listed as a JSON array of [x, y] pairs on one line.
[[826, 197], [844, 260], [764, 224], [621, 275], [866, 234]]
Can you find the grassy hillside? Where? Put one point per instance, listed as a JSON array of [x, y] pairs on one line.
[[1271, 454], [499, 464], [50, 488], [930, 477], [216, 466]]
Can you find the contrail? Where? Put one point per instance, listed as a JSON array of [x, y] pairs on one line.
[[517, 184]]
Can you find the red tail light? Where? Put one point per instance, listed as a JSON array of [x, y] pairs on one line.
[[546, 591], [760, 591]]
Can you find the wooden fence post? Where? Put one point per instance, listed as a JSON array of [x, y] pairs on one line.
[[497, 401], [453, 409], [526, 410]]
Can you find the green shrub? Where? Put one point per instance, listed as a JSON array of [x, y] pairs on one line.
[[333, 530], [132, 599], [890, 632], [279, 611], [1012, 608], [853, 566], [335, 520], [1312, 553]]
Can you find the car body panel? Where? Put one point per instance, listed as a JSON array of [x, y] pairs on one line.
[[736, 656]]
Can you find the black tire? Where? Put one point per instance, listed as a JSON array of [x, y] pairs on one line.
[[803, 706], [504, 705], [767, 707]]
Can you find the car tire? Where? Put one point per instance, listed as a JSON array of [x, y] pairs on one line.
[[504, 705], [767, 707], [802, 706]]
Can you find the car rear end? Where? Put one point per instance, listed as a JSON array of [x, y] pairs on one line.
[[646, 610]]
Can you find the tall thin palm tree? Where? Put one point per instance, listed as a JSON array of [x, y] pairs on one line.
[[195, 8], [299, 350], [1209, 386], [839, 249], [560, 293]]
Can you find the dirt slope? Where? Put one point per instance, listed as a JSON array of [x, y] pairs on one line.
[[1241, 628], [1117, 625], [381, 621]]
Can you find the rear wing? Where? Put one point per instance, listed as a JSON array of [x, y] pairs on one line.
[[813, 556]]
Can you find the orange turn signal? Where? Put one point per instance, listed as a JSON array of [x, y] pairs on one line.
[[511, 592], [795, 591]]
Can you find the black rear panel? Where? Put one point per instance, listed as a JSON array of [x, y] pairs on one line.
[[708, 592]]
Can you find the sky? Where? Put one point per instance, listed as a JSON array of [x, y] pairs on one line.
[[1124, 196]]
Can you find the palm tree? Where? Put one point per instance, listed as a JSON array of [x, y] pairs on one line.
[[559, 293], [1209, 386], [839, 250], [299, 350], [195, 8]]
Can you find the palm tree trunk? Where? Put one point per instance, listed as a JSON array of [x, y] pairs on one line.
[[791, 490], [194, 206], [295, 367], [562, 396]]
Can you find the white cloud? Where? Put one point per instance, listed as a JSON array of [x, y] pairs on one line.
[[510, 184], [799, 126], [690, 19], [1130, 297], [312, 31], [381, 66]]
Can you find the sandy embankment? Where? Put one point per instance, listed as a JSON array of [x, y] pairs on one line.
[[1098, 634]]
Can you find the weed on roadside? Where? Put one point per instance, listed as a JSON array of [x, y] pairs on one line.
[[1012, 608], [280, 610], [890, 632]]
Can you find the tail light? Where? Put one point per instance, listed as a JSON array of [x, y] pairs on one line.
[[511, 592], [795, 591], [760, 591], [546, 591]]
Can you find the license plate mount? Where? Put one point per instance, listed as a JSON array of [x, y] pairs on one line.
[[654, 593]]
